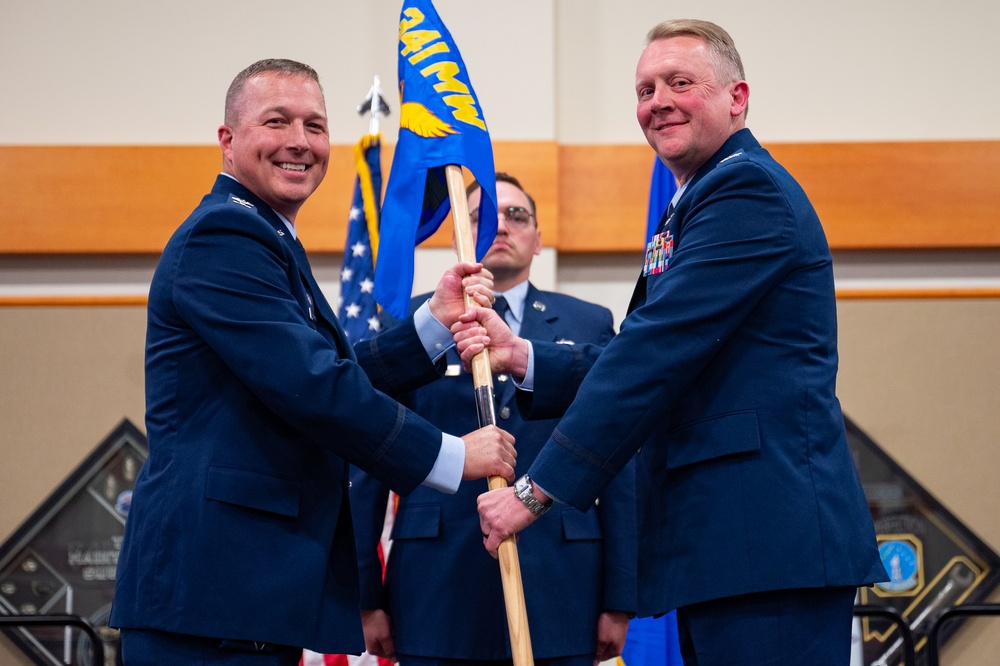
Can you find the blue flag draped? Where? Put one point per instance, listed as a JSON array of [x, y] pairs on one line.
[[652, 642], [662, 186], [358, 310], [440, 123]]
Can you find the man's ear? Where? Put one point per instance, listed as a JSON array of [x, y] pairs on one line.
[[740, 96], [226, 142]]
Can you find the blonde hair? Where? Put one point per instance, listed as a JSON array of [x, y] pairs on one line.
[[725, 58]]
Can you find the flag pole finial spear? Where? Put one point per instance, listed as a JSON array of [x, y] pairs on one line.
[[374, 105]]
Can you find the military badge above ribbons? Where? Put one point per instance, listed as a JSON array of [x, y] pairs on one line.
[[440, 123]]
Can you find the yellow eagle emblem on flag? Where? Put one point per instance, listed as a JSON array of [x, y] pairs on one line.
[[418, 119]]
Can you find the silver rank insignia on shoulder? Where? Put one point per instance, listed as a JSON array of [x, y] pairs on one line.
[[311, 315], [241, 202], [658, 251], [729, 157]]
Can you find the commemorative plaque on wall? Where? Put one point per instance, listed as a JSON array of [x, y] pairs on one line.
[[934, 561], [62, 560]]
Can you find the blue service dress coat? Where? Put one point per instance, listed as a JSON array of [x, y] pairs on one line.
[[442, 589], [240, 526], [723, 377]]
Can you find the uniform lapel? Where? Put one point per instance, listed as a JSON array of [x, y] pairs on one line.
[[323, 309], [537, 317], [535, 325], [639, 292], [319, 303], [741, 140]]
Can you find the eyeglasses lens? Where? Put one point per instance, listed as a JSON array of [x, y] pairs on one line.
[[517, 216]]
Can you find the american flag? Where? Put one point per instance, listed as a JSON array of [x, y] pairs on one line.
[[358, 310], [359, 313]]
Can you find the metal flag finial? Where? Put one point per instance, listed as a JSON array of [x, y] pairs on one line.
[[374, 105]]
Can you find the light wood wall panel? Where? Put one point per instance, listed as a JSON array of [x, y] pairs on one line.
[[591, 198], [927, 194], [129, 199], [903, 195]]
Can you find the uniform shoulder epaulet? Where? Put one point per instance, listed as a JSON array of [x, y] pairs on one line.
[[241, 202], [725, 159]]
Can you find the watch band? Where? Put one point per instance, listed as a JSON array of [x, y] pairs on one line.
[[524, 492]]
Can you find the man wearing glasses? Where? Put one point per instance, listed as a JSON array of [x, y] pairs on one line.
[[442, 601]]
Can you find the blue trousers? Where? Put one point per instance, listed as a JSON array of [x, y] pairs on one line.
[[807, 626], [142, 647]]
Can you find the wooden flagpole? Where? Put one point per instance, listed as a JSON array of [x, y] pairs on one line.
[[482, 376]]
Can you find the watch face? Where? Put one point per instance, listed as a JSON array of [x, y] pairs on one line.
[[522, 490], [522, 486]]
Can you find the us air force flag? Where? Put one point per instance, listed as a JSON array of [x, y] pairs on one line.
[[440, 123]]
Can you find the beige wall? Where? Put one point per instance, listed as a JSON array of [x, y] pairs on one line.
[[138, 72], [71, 375]]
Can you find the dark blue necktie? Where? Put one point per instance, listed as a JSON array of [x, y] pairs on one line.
[[501, 307], [501, 387], [666, 216]]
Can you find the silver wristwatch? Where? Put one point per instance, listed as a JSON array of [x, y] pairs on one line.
[[522, 488]]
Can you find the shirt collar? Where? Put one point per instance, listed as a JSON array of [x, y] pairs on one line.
[[291, 227], [516, 296]]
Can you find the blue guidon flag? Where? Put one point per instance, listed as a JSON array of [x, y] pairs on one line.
[[440, 123]]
